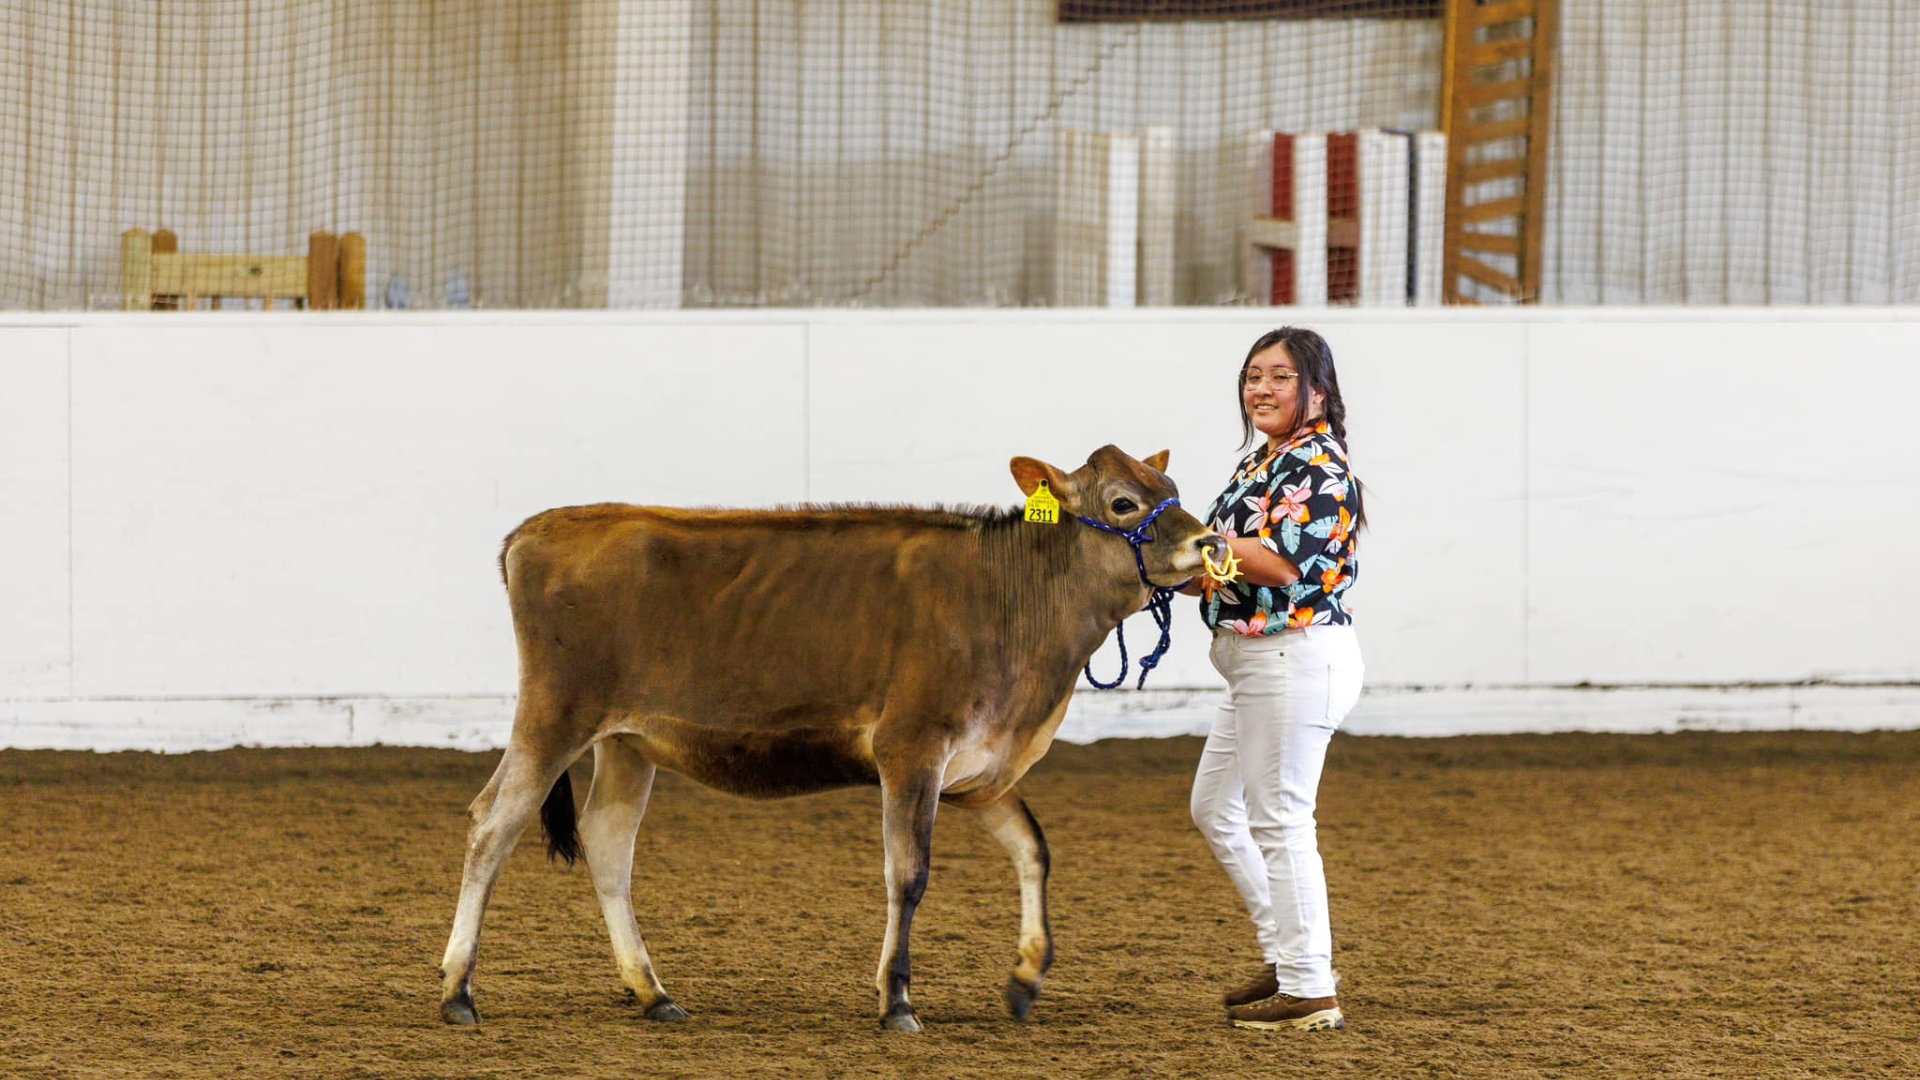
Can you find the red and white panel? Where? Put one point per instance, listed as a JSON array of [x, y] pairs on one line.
[[1287, 233], [1334, 217]]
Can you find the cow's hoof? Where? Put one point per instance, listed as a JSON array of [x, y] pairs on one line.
[[460, 1010], [665, 1009], [900, 1018], [1020, 997]]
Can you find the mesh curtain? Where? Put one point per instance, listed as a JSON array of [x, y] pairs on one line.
[[633, 153]]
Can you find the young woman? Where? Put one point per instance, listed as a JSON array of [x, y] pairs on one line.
[[1284, 640]]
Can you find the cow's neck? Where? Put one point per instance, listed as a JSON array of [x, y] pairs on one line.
[[1079, 584], [1108, 580]]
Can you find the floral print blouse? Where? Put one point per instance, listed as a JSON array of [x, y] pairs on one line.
[[1298, 500]]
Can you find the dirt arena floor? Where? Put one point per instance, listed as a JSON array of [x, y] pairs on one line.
[[1572, 906]]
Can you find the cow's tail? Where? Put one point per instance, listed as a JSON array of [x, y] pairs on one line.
[[558, 821]]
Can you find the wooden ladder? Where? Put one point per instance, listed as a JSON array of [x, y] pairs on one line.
[[1495, 108]]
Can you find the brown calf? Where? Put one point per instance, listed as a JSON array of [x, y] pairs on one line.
[[770, 653]]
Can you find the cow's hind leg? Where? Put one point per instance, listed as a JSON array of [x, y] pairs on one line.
[[500, 813], [1011, 823], [906, 820], [616, 802]]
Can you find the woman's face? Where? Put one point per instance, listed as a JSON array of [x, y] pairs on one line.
[[1270, 389]]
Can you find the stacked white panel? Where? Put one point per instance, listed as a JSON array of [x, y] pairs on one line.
[[1158, 206], [1121, 236], [1256, 264], [1096, 219], [1383, 163], [1077, 221], [1310, 220], [1430, 216]]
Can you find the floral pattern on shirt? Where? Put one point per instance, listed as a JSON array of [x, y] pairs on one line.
[[1300, 502]]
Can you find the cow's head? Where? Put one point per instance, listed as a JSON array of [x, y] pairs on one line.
[[1119, 491]]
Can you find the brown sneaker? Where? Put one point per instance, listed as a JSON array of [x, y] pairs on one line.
[[1287, 1011], [1264, 985]]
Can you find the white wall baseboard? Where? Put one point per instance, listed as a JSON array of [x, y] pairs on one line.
[[1446, 711], [481, 722]]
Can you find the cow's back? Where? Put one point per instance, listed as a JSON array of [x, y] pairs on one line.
[[735, 619]]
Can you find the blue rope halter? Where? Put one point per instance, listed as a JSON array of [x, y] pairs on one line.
[[1160, 604]]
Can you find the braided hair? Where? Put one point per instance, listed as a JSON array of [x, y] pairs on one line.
[[1313, 359]]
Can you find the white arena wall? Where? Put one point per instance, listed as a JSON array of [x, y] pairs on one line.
[[254, 529]]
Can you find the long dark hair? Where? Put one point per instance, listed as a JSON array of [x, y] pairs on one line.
[[1313, 359]]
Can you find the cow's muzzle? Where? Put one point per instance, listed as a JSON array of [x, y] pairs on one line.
[[1213, 545]]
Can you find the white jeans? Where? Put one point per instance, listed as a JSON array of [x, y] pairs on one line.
[[1254, 793]]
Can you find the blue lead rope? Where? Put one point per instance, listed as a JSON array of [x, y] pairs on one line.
[[1160, 604]]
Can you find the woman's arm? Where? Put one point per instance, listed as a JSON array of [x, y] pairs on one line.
[[1260, 566]]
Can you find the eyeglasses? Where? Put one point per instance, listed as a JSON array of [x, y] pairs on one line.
[[1279, 378]]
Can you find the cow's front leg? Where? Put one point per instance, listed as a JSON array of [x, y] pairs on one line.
[[1011, 823], [906, 820]]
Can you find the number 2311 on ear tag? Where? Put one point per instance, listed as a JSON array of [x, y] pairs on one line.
[[1042, 506]]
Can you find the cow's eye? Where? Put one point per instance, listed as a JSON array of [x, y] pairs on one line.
[[1124, 505]]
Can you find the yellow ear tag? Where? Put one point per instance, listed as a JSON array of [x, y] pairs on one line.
[[1042, 506], [1226, 572]]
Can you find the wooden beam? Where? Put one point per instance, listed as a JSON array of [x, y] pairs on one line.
[[1492, 243], [1272, 232], [323, 271], [1497, 169], [136, 270], [1496, 14], [230, 275], [353, 271], [1488, 276], [1496, 130], [1488, 93], [166, 242], [1493, 211], [1546, 28], [1454, 106], [1455, 27], [1500, 52]]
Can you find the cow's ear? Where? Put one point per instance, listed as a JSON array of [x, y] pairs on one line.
[[1028, 472], [1158, 462]]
